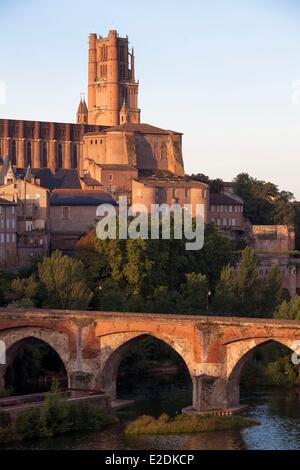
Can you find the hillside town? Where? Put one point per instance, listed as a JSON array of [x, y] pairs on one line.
[[54, 175]]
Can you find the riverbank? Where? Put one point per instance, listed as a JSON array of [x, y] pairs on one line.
[[183, 424], [277, 411], [56, 416]]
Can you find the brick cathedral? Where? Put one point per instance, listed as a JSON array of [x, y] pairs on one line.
[[108, 148], [53, 175]]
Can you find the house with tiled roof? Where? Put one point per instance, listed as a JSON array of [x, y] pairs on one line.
[[226, 211], [73, 214]]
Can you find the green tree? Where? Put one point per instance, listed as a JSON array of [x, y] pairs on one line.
[[134, 273], [64, 282], [247, 280], [218, 252], [193, 295], [237, 292], [240, 291], [24, 291], [289, 310], [109, 296], [224, 300], [5, 293], [137, 266], [216, 185], [263, 202], [95, 266], [163, 301], [271, 291]]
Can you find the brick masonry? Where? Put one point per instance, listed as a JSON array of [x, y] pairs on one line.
[[93, 344]]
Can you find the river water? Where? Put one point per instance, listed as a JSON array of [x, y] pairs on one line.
[[278, 412]]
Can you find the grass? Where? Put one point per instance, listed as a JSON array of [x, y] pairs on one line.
[[184, 424]]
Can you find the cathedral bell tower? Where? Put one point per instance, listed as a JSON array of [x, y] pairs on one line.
[[82, 112], [111, 78]]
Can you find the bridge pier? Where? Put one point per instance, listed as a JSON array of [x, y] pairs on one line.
[[209, 393], [81, 380], [2, 376]]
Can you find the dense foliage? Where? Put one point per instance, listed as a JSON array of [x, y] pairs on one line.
[[241, 292], [271, 366], [289, 310], [263, 202], [157, 276]]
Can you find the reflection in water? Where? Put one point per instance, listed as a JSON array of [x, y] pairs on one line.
[[277, 411]]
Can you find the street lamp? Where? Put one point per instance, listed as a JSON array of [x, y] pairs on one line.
[[209, 294]]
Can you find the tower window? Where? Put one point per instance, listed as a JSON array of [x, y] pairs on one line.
[[122, 71], [103, 53], [75, 157], [44, 156], [60, 156], [14, 153], [29, 154], [122, 52]]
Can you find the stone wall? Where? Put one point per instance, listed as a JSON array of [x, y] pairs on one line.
[[273, 238]]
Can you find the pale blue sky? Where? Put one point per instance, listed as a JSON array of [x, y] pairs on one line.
[[220, 71]]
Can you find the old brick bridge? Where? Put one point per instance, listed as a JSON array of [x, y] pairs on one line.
[[92, 345]]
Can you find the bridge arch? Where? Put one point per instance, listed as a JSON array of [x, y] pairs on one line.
[[14, 338], [239, 355], [115, 350]]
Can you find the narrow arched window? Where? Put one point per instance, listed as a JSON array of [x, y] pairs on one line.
[[14, 153], [75, 157], [29, 154], [45, 156], [60, 156]]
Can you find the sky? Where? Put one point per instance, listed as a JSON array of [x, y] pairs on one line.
[[225, 73]]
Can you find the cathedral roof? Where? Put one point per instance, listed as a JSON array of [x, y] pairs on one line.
[[140, 128]]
